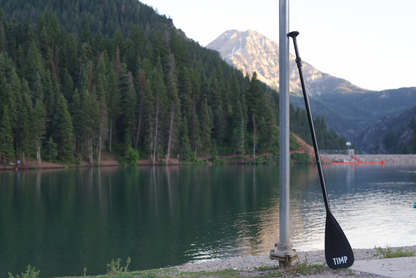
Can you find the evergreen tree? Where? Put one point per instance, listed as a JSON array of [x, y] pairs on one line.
[[78, 116], [43, 43], [238, 129], [135, 44], [175, 115], [159, 89], [37, 88], [219, 125], [70, 55], [255, 100], [62, 131], [185, 146], [216, 97], [205, 126], [32, 61], [25, 110], [112, 98], [6, 138], [50, 152], [38, 127], [90, 123], [185, 93], [103, 116], [149, 115], [265, 135]]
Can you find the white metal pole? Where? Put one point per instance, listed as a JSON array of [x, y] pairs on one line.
[[284, 252]]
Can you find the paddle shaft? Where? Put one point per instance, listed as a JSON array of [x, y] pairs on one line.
[[293, 35]]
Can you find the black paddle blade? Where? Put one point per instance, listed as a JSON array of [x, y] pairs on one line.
[[338, 252]]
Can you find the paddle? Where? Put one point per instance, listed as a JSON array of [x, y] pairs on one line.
[[338, 252]]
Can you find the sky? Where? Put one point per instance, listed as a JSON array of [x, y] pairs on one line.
[[371, 43]]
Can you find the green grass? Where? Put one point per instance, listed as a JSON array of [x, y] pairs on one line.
[[116, 269], [264, 268], [388, 253]]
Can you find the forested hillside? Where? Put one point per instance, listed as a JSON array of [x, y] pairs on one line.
[[76, 77]]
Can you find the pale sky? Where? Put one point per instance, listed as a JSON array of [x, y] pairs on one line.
[[371, 43]]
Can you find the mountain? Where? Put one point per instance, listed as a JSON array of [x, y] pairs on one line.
[[389, 134], [251, 51], [348, 109]]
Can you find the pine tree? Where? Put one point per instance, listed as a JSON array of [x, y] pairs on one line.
[[32, 61], [70, 54], [38, 127], [49, 152], [86, 36], [6, 138], [117, 63], [219, 125], [141, 84], [78, 116], [235, 94], [176, 47], [112, 99], [238, 129], [48, 97], [185, 93], [98, 42], [135, 44], [37, 88], [216, 97], [103, 117], [118, 41], [25, 110], [266, 135], [255, 100], [149, 115], [43, 43], [205, 126], [62, 131], [175, 115], [185, 146], [90, 123], [159, 89]]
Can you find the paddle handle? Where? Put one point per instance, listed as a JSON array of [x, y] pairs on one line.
[[293, 35]]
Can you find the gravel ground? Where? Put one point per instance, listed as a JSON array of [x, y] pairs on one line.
[[247, 263]]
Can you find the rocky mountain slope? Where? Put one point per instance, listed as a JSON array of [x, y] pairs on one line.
[[348, 109], [251, 51]]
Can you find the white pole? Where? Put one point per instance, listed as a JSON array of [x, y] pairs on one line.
[[284, 252]]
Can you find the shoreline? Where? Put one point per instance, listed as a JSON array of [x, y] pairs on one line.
[[249, 263], [112, 162], [109, 159]]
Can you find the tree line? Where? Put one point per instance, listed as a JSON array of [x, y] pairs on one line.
[[147, 92]]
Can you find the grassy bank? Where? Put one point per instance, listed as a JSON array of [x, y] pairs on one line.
[[308, 265]]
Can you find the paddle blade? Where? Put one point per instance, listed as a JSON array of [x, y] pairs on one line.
[[338, 252]]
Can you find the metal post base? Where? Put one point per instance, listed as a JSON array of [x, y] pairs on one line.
[[284, 254]]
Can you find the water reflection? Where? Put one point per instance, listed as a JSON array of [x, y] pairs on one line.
[[61, 221]]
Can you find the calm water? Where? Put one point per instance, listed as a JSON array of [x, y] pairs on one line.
[[61, 221]]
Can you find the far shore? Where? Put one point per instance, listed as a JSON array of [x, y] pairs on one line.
[[109, 159]]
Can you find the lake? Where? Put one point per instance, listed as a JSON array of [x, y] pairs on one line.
[[61, 221]]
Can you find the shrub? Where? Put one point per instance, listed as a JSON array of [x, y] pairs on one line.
[[131, 156], [300, 158], [30, 273]]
